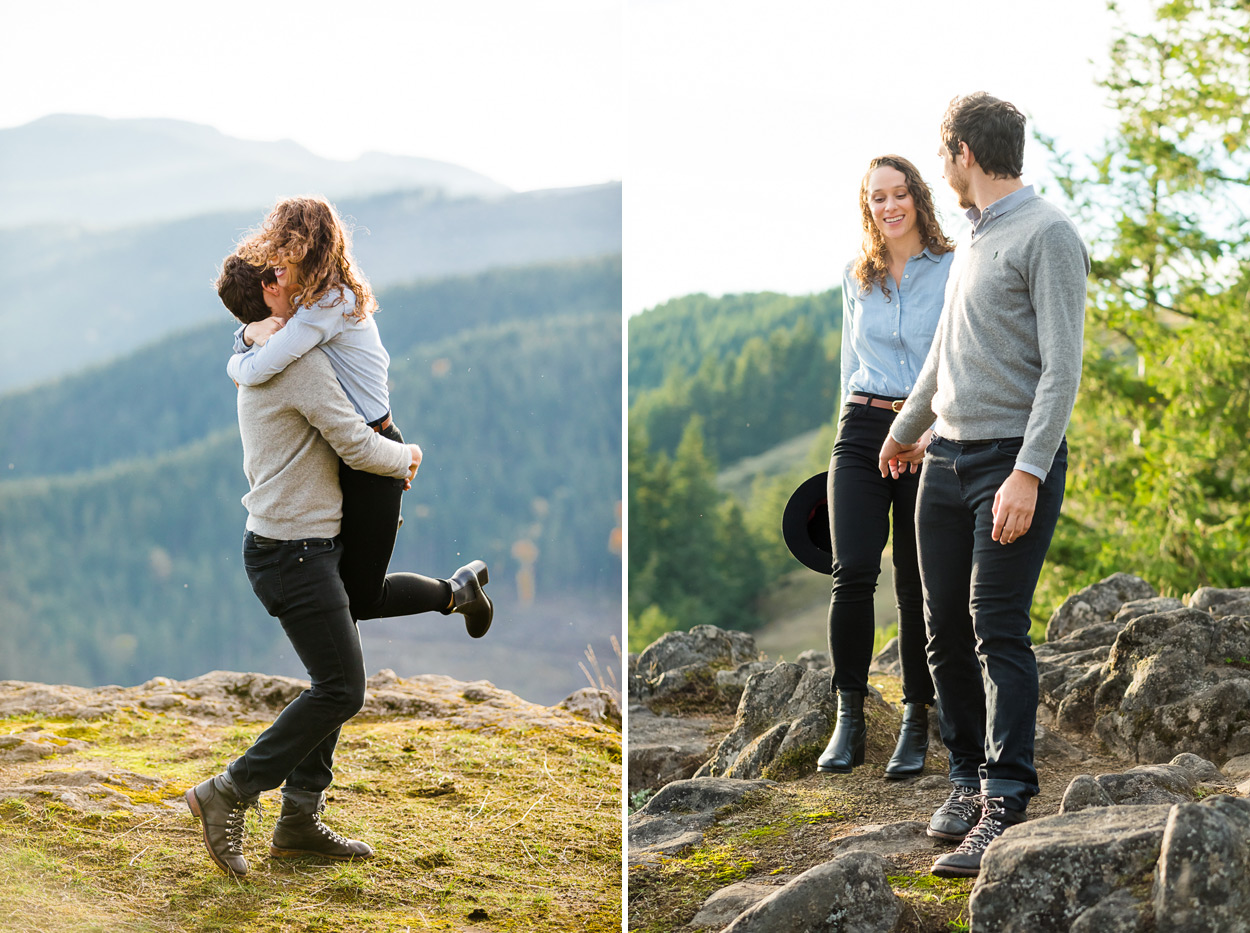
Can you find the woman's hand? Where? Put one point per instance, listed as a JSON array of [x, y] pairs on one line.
[[257, 333], [891, 457], [914, 455], [416, 464]]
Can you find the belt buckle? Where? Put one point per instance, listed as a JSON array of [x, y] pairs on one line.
[[897, 405]]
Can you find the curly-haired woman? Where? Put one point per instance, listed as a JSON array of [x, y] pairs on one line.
[[892, 300]]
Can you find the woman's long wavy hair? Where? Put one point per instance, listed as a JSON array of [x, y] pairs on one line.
[[308, 233], [872, 266]]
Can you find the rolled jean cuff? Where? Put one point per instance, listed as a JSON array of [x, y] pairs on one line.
[[1014, 794]]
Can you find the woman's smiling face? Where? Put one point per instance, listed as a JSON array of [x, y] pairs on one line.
[[893, 209]]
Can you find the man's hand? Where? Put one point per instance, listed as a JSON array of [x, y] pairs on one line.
[[913, 456], [891, 458], [258, 332], [1013, 506], [416, 463]]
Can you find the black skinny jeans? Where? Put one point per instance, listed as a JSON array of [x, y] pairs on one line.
[[370, 521], [298, 581], [860, 504], [977, 599]]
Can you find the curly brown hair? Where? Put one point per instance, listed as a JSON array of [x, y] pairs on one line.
[[308, 233], [871, 268]]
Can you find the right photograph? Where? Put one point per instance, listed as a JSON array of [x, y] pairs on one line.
[[937, 519]]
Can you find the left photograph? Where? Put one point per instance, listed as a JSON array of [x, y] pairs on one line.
[[311, 469]]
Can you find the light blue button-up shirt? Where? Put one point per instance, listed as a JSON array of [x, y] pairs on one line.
[[885, 339]]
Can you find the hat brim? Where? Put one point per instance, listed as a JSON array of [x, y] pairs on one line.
[[805, 524]]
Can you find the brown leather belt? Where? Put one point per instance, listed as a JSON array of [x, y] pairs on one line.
[[894, 406], [383, 424]]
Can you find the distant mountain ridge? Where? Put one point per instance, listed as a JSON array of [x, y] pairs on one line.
[[101, 172], [106, 293]]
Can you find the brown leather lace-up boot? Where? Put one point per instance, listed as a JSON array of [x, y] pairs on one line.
[[300, 831], [218, 805]]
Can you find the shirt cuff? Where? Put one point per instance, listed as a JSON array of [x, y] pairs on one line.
[[1032, 470], [240, 345]]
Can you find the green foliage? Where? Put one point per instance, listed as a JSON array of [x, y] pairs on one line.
[[690, 556], [756, 368], [1159, 484], [714, 380]]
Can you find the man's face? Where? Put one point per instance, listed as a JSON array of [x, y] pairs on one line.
[[956, 176], [277, 297]]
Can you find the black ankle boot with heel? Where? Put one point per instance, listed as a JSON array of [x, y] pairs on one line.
[[846, 748], [913, 743]]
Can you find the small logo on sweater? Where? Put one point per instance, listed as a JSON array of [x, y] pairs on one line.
[[995, 254]]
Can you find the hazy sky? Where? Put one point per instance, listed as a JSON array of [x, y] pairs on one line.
[[529, 93], [750, 124]]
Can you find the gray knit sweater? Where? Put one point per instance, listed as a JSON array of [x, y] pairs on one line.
[[295, 427], [1006, 360]]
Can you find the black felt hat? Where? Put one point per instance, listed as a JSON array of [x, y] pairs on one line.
[[805, 524]]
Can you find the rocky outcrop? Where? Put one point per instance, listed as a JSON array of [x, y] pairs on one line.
[[674, 819], [784, 719], [1154, 685], [679, 662], [226, 696], [664, 748], [1183, 867], [849, 895], [1158, 843]]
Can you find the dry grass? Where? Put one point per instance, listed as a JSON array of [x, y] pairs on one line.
[[474, 831]]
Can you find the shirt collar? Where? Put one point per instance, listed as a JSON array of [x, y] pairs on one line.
[[999, 207], [930, 255]]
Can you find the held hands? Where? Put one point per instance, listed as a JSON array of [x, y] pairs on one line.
[[1014, 504], [257, 333], [896, 459], [416, 463]]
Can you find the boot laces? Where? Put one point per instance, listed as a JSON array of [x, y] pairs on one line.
[[990, 827], [235, 820], [326, 830], [964, 803]]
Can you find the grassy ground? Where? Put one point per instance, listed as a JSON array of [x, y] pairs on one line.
[[503, 830]]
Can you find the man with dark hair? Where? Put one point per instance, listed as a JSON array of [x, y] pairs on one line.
[[998, 388], [242, 289]]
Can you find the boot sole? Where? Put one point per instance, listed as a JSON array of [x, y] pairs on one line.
[[193, 803], [951, 871], [275, 852], [899, 775], [947, 836]]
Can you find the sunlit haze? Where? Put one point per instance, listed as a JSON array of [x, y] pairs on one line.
[[529, 93]]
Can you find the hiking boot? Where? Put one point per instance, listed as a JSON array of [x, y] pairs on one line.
[[956, 817], [301, 832], [965, 861], [846, 745], [217, 804], [913, 743]]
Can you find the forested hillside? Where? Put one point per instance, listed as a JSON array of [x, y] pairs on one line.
[[119, 542], [718, 380], [174, 391]]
